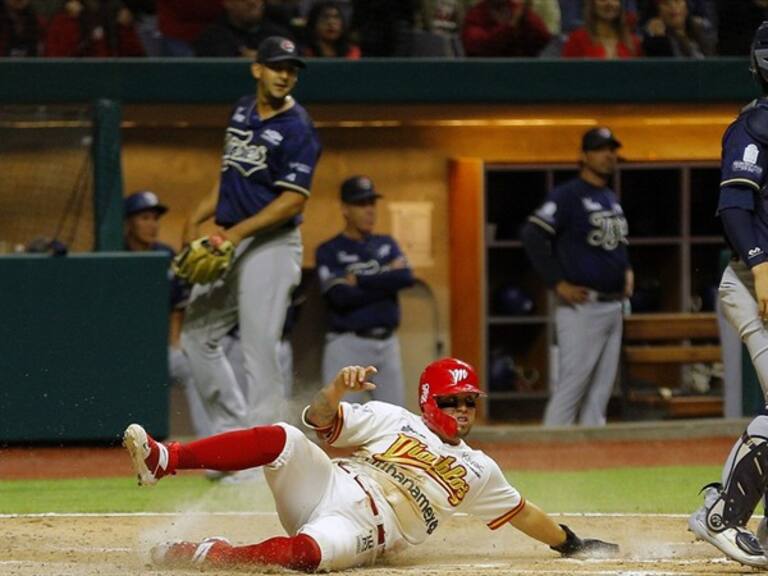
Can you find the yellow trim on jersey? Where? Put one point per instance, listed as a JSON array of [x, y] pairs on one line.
[[299, 189], [539, 222], [755, 185], [338, 423], [503, 519]]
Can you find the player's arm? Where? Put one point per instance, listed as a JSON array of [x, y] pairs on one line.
[[534, 522], [322, 412], [286, 206], [204, 210], [537, 237], [395, 275]]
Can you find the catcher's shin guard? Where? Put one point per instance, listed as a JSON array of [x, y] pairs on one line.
[[745, 484]]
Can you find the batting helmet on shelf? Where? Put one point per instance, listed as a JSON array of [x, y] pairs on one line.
[[445, 377], [510, 300]]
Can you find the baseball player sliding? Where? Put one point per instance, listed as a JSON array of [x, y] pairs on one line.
[[407, 475], [247, 270]]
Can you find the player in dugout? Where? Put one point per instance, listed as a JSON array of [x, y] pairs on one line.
[[407, 475]]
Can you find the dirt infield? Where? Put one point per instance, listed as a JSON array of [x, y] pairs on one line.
[[116, 546]]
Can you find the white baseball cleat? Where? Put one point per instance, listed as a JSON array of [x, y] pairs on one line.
[[736, 543], [149, 458]]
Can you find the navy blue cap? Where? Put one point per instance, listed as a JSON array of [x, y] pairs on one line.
[[358, 189], [279, 49], [141, 202], [597, 138]]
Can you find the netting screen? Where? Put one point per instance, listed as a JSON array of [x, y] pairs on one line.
[[46, 180]]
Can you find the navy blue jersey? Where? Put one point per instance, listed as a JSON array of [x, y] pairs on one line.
[[590, 234], [742, 183], [372, 303], [262, 158]]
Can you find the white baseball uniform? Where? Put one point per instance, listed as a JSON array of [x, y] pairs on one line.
[[394, 491]]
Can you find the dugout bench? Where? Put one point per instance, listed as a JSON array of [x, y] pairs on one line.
[[655, 349]]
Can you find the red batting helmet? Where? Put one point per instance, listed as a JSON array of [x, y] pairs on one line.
[[445, 377]]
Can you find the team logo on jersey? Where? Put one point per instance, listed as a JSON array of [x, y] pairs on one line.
[[384, 250], [241, 154], [609, 229], [449, 475], [750, 154], [239, 115], [299, 167], [748, 162], [272, 136], [458, 375], [368, 268], [590, 205], [547, 210], [346, 258], [756, 251]]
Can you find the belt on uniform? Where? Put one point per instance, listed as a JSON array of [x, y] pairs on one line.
[[375, 509], [608, 296], [378, 333]]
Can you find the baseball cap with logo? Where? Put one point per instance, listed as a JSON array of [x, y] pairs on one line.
[[358, 189], [279, 49], [143, 201], [597, 138]]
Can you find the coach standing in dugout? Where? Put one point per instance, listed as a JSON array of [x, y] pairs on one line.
[[247, 270], [577, 241], [361, 274]]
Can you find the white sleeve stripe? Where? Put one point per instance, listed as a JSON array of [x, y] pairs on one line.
[[732, 181], [542, 224], [283, 184]]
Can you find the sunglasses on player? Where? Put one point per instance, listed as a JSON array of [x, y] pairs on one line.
[[455, 401]]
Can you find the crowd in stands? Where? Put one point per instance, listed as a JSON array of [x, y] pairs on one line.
[[381, 28]]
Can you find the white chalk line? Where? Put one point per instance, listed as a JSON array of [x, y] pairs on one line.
[[274, 514]]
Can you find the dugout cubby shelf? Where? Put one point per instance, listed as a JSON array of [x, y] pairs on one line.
[[675, 242]]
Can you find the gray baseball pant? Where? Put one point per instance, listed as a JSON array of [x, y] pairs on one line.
[[349, 349], [589, 343], [255, 292], [739, 305]]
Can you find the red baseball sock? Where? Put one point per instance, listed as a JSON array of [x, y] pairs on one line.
[[296, 553], [230, 451]]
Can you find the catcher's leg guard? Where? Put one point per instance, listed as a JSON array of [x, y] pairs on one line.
[[745, 477], [728, 507]]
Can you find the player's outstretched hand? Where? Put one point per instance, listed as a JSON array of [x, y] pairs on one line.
[[575, 547], [354, 379]]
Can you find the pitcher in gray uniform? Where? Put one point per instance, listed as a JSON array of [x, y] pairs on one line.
[[577, 241], [361, 274]]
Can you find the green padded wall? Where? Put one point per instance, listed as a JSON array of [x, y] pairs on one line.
[[83, 346]]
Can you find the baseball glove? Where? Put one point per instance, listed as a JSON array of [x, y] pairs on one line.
[[575, 547], [205, 260]]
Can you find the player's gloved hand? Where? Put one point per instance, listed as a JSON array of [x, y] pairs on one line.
[[588, 547], [205, 260]]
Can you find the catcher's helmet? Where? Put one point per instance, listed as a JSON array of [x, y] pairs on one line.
[[445, 377], [759, 53]]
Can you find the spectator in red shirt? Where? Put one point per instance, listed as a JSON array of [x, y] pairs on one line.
[[92, 29], [327, 35], [21, 30], [605, 34], [182, 21], [498, 28]]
